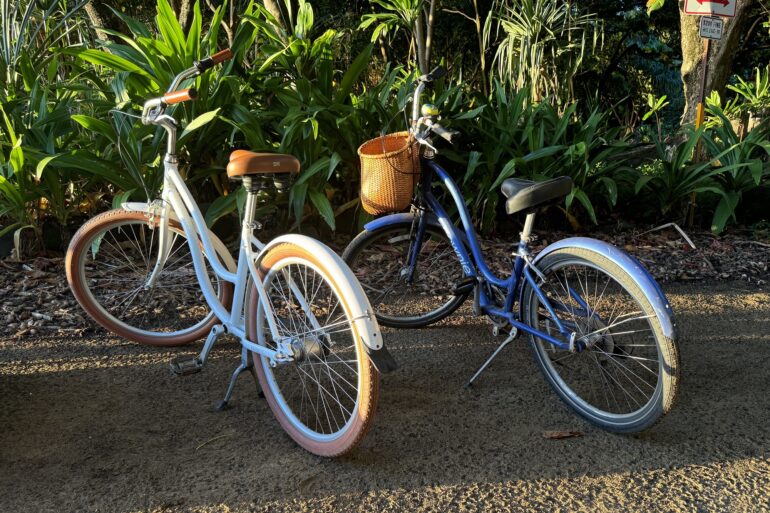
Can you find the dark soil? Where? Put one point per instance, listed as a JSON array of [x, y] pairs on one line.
[[95, 423], [37, 301]]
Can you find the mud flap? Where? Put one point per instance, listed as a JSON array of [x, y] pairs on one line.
[[381, 359]]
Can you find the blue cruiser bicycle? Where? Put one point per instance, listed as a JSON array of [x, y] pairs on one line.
[[601, 329]]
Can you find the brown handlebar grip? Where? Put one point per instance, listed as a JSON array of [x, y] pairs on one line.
[[180, 96], [224, 55]]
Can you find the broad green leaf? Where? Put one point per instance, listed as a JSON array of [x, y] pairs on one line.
[[582, 197], [119, 199], [724, 211], [97, 125], [221, 206], [612, 189], [472, 114], [17, 156], [313, 169], [297, 197], [169, 28], [102, 58], [654, 5], [199, 121], [473, 163], [358, 65], [321, 202], [42, 164]]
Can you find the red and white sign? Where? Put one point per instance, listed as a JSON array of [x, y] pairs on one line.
[[710, 7]]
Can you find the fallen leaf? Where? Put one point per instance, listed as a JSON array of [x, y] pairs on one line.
[[558, 435]]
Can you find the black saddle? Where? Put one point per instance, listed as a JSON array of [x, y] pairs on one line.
[[528, 195]]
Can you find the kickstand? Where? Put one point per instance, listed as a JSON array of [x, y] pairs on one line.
[[504, 343], [246, 364]]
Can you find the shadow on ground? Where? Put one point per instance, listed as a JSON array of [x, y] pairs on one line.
[[99, 424]]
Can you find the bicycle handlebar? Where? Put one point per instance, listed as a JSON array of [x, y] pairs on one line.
[[179, 96], [213, 60], [154, 108], [450, 136], [434, 74]]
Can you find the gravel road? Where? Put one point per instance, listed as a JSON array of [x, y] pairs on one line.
[[100, 424]]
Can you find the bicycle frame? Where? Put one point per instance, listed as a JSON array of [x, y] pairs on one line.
[[474, 265], [177, 198]]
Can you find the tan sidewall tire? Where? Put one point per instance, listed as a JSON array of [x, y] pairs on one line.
[[75, 251], [370, 379]]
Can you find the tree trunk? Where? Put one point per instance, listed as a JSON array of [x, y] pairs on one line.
[[429, 36], [419, 39], [100, 18], [184, 14], [720, 61], [279, 12]]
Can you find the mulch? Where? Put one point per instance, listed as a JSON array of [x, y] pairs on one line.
[[37, 301]]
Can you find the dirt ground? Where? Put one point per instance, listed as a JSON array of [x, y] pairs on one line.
[[100, 424]]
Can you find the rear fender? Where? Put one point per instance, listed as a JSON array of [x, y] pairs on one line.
[[365, 321], [632, 266]]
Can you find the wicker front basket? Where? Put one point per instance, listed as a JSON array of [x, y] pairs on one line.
[[390, 165]]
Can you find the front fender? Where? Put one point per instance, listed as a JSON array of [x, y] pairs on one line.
[[408, 217], [360, 309], [632, 266], [404, 217]]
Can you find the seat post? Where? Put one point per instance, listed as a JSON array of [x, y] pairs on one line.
[[252, 188], [527, 230]]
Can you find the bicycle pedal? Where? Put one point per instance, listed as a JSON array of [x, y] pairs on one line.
[[186, 365]]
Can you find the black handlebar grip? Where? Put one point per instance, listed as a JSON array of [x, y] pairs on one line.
[[435, 74], [450, 136], [213, 60]]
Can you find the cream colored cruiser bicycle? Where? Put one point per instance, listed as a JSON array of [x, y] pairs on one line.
[[153, 273]]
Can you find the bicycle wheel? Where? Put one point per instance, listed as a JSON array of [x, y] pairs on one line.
[[628, 376], [379, 260], [108, 262], [326, 398]]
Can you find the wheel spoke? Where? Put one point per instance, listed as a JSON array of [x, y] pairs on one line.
[[617, 373], [115, 279]]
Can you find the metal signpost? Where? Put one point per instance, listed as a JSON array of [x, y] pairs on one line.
[[711, 26]]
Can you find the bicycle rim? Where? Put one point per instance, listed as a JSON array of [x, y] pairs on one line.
[[320, 392], [113, 265], [618, 379], [380, 260]]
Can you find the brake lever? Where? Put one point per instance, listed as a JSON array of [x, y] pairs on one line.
[[424, 141]]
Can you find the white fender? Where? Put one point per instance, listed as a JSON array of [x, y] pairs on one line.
[[363, 313], [219, 246]]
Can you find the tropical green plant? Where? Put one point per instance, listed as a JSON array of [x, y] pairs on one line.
[[655, 105], [30, 29], [537, 142], [754, 96], [741, 164], [143, 66], [35, 111], [398, 15], [541, 44], [677, 177], [310, 107]]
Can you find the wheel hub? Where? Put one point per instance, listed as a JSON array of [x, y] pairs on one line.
[[306, 347], [598, 336]]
